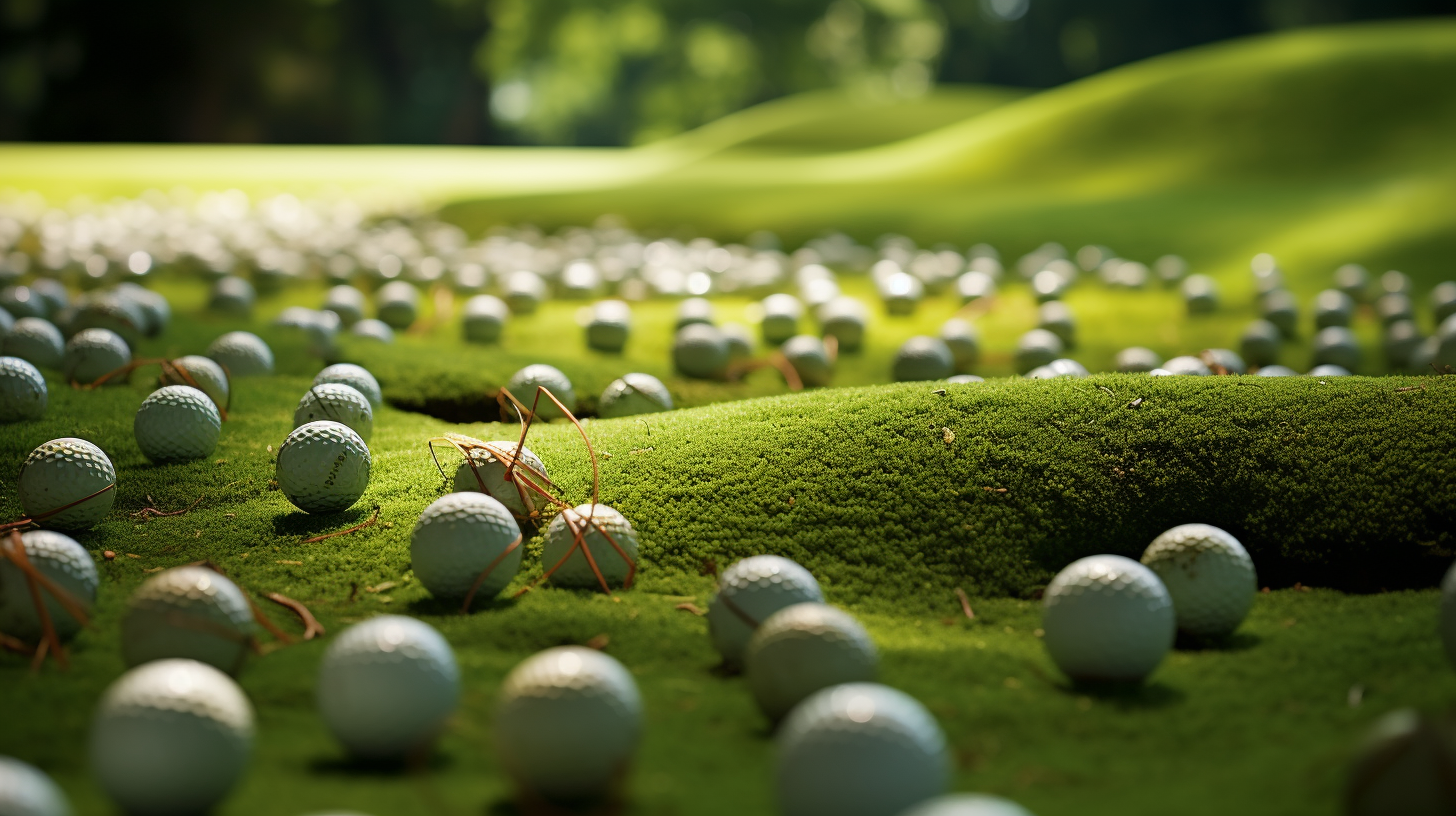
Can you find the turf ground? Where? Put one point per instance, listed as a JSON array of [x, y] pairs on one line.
[[1345, 483]]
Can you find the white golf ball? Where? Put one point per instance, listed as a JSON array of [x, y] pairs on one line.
[[1448, 613], [336, 402], [190, 612], [58, 557], [231, 295], [751, 591], [598, 526], [25, 790], [1208, 574], [802, 649], [64, 472], [610, 326], [323, 467], [175, 423], [567, 722], [93, 353], [632, 394], [810, 359], [35, 340], [242, 354], [355, 376], [524, 383], [23, 393], [485, 316], [171, 738], [346, 302], [397, 304], [1405, 766], [460, 537], [700, 350], [923, 358], [781, 315], [967, 804], [488, 475], [859, 749], [1107, 618], [386, 686], [371, 329], [203, 374], [845, 318]]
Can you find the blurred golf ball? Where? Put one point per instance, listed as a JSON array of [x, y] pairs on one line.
[[23, 393], [25, 790], [457, 538], [749, 592], [242, 354], [190, 612], [804, 648], [967, 804], [58, 557], [356, 377]]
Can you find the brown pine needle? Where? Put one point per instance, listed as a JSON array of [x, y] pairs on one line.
[[150, 512], [356, 528], [965, 603], [311, 627], [693, 608]]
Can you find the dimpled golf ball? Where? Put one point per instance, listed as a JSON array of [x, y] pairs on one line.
[[1107, 618], [190, 612], [524, 383], [633, 394], [859, 749], [1209, 576], [750, 592], [177, 423], [1448, 613], [397, 303], [923, 358], [242, 354], [58, 557], [323, 467], [63, 472], [171, 738], [489, 476], [25, 790], [804, 648], [93, 353], [562, 554], [1405, 765], [23, 393], [356, 377], [700, 350], [967, 804], [339, 403], [810, 359], [567, 723], [200, 373], [458, 538], [36, 341], [386, 686]]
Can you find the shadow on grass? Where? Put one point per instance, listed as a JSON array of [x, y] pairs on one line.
[[308, 525], [350, 766], [1237, 642], [430, 605], [1126, 694]]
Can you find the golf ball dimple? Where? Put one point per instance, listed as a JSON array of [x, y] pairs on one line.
[[356, 377], [93, 353], [205, 375], [23, 393], [569, 561], [191, 612], [458, 538], [171, 738], [967, 804], [524, 383], [489, 476], [58, 557], [567, 723], [36, 341], [923, 358], [699, 350], [63, 472], [1107, 617], [386, 686], [323, 467], [336, 402], [859, 749], [242, 354], [632, 394], [804, 648], [809, 358], [1209, 576], [176, 423], [25, 790], [749, 592]]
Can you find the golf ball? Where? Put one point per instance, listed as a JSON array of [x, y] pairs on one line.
[[1276, 371], [1037, 348], [339, 403], [171, 738], [1353, 280], [58, 557], [1057, 318], [346, 302], [155, 308], [36, 341], [1404, 766], [386, 687], [739, 340], [93, 353], [484, 318], [242, 354], [610, 326], [462, 538], [177, 422], [1443, 300], [318, 329], [1329, 370], [1223, 361], [599, 526], [965, 379], [1337, 345], [964, 343], [859, 749], [1448, 613], [967, 804], [356, 377], [632, 394], [1280, 308], [1137, 359], [1209, 576], [1187, 365], [524, 291], [104, 310], [20, 301], [845, 318], [1107, 618], [524, 383], [580, 280], [323, 467], [397, 304], [65, 472], [1394, 306], [23, 393], [923, 358], [190, 612], [232, 295], [751, 591], [1333, 308], [700, 350], [810, 359], [371, 329], [694, 310], [974, 286], [901, 293], [25, 790], [567, 723], [489, 476], [804, 648], [1200, 294], [1260, 343], [204, 374], [781, 315]]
